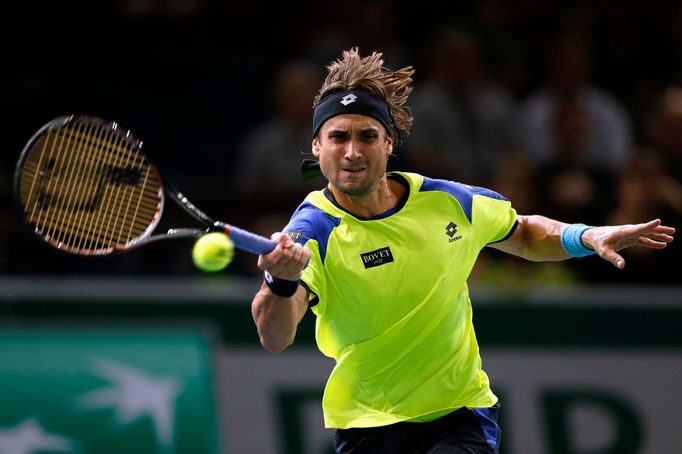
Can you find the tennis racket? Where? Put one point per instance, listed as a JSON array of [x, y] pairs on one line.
[[85, 187]]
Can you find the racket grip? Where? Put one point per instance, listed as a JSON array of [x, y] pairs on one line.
[[250, 242]]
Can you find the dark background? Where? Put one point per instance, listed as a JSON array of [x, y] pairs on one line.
[[193, 78]]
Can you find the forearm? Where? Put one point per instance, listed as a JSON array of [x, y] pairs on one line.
[[277, 317], [544, 239], [537, 238]]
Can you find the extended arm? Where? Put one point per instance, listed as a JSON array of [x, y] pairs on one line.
[[277, 317], [538, 238]]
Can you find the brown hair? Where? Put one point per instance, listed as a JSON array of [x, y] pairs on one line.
[[353, 72]]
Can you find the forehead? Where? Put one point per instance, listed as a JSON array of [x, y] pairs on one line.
[[349, 122]]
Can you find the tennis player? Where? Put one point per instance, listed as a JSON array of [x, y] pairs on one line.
[[382, 259]]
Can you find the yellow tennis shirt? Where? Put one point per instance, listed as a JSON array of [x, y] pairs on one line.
[[392, 303]]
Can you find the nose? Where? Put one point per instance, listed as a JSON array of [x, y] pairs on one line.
[[351, 150]]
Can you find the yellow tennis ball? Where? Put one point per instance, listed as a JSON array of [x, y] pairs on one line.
[[213, 252]]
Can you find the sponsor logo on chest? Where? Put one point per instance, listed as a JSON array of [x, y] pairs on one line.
[[377, 257]]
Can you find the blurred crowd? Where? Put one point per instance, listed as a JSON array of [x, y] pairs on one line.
[[569, 109]]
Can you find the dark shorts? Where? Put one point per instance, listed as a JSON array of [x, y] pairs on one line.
[[462, 431]]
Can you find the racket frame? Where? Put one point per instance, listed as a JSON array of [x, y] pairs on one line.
[[243, 239]]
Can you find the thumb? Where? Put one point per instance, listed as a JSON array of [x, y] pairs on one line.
[[612, 256]]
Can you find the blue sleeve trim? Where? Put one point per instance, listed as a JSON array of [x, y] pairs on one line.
[[487, 418], [309, 222], [508, 235], [462, 192], [316, 299]]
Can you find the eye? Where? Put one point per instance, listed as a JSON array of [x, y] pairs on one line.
[[369, 135], [338, 136]]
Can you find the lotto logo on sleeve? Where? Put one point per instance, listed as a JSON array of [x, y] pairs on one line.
[[451, 230], [376, 258]]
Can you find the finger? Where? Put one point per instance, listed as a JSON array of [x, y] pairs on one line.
[[629, 235], [266, 261], [287, 259], [653, 223], [660, 237], [287, 242], [300, 257], [612, 256], [651, 244], [283, 239], [306, 256], [291, 263], [641, 229], [665, 230]]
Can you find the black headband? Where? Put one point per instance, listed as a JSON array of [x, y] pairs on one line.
[[352, 102]]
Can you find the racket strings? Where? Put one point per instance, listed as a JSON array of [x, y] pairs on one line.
[[102, 219], [97, 237], [43, 166], [73, 194], [121, 201], [85, 187]]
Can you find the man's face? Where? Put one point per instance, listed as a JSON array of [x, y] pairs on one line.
[[353, 150]]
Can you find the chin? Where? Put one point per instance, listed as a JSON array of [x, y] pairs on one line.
[[358, 189]]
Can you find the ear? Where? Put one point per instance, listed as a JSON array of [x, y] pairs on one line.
[[316, 147], [389, 146]]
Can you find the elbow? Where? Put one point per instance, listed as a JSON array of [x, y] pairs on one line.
[[539, 237], [531, 256], [273, 338], [275, 344]]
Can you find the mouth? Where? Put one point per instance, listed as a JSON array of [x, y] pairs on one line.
[[354, 170]]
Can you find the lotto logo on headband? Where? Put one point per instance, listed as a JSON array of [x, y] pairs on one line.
[[348, 99]]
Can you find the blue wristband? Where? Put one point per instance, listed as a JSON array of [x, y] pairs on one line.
[[571, 240], [280, 287]]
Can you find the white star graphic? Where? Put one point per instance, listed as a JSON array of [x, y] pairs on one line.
[[28, 437], [134, 394]]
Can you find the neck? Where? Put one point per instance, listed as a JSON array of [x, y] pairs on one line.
[[385, 196]]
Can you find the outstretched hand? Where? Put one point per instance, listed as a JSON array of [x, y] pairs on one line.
[[608, 240]]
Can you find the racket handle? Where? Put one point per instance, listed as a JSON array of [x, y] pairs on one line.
[[250, 242]]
